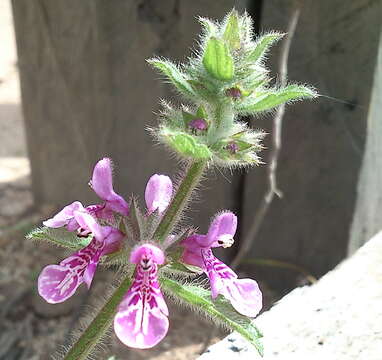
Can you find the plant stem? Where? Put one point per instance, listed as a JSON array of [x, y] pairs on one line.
[[178, 203], [99, 325]]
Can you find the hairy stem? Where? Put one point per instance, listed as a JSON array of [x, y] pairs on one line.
[[99, 325], [178, 203]]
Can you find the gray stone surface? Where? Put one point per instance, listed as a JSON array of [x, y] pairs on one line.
[[339, 318], [367, 218]]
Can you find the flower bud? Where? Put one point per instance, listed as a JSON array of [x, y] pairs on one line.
[[232, 147], [198, 124], [235, 93]]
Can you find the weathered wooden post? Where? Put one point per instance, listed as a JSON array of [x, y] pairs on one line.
[[335, 49], [88, 92], [367, 220]]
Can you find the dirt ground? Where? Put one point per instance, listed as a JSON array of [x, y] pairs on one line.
[[31, 329]]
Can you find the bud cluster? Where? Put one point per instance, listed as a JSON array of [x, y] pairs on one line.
[[224, 80]]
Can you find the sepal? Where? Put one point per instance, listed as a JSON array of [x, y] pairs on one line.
[[185, 145], [217, 60], [175, 75], [231, 31], [272, 98], [60, 237], [262, 45]]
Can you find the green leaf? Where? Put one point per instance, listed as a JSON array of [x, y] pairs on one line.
[[176, 77], [217, 60], [243, 145], [272, 98], [201, 112], [188, 146], [262, 46], [60, 237], [231, 33], [219, 309]]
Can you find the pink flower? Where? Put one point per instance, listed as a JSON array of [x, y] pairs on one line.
[[56, 283], [102, 184], [158, 193], [244, 294], [141, 321]]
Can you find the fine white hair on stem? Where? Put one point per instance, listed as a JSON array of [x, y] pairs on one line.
[[276, 144]]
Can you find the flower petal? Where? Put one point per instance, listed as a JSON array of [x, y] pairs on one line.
[[102, 184], [57, 283], [193, 258], [195, 242], [141, 321], [140, 326], [65, 217], [244, 294], [102, 179], [222, 229], [158, 193], [113, 240], [101, 211], [86, 221]]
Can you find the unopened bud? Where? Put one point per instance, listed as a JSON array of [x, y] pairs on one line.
[[232, 147], [234, 93], [198, 124]]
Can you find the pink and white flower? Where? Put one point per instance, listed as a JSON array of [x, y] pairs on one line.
[[56, 283], [158, 193], [244, 294], [102, 184], [141, 321]]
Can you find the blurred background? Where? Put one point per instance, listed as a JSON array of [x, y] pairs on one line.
[[78, 88]]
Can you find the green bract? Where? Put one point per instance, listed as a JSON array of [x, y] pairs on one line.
[[217, 60], [227, 73]]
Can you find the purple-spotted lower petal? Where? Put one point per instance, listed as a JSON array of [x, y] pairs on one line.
[[141, 324], [158, 193], [244, 294], [141, 321], [57, 283], [102, 184], [65, 217]]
